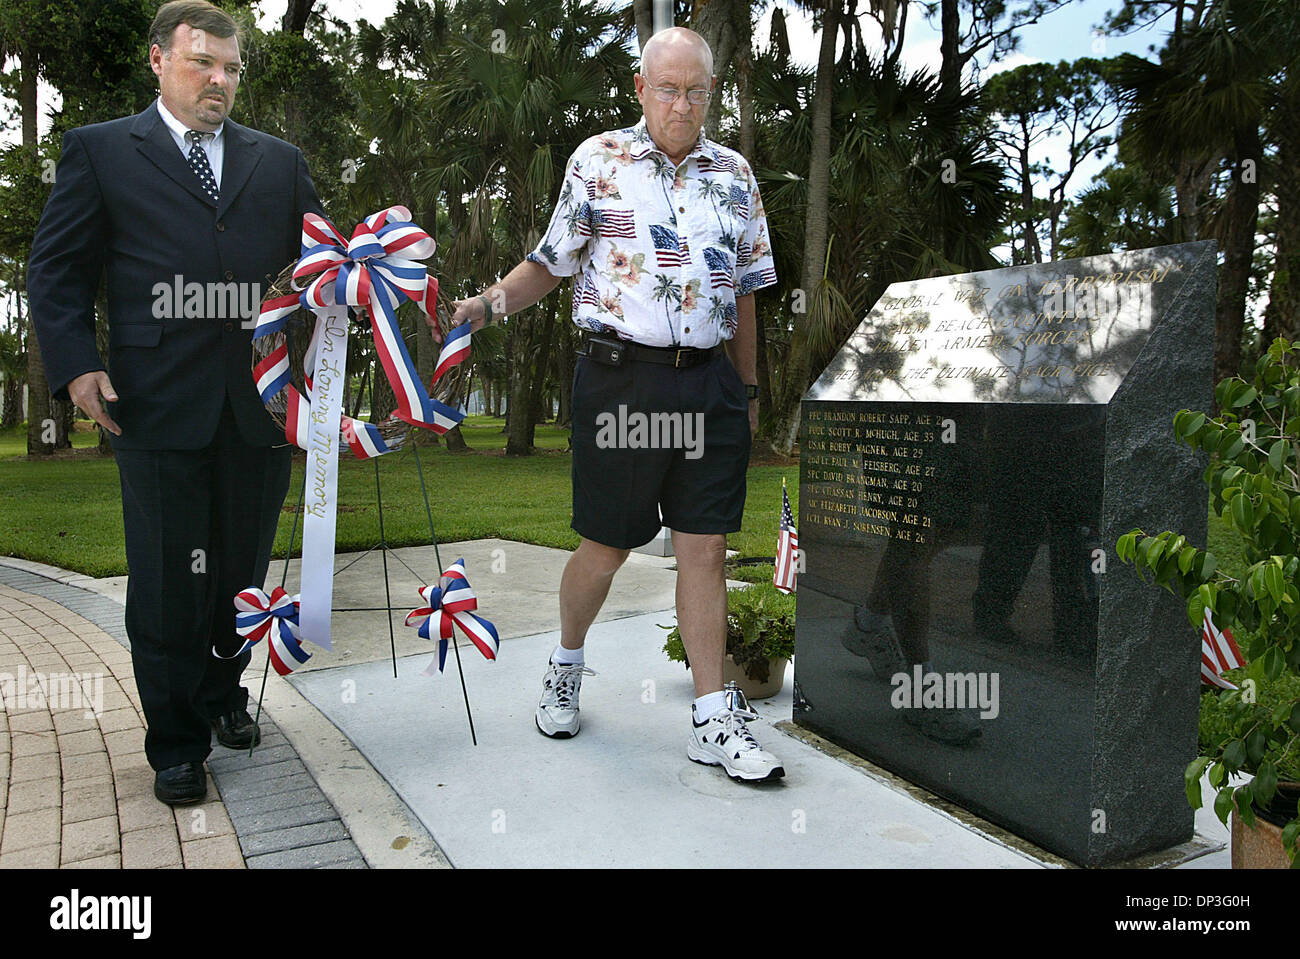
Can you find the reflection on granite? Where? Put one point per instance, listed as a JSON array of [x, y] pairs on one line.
[[967, 462], [1062, 332]]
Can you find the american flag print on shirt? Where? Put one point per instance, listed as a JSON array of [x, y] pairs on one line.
[[720, 274], [620, 223], [670, 249]]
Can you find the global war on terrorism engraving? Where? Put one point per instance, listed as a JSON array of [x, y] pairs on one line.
[[967, 461]]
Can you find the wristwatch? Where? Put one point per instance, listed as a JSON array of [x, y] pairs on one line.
[[751, 390], [487, 306]]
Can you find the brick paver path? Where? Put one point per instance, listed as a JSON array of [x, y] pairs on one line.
[[75, 788]]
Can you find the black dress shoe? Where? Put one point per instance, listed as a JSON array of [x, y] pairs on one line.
[[181, 784], [236, 730]]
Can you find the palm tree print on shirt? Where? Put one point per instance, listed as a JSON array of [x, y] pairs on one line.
[[670, 291]]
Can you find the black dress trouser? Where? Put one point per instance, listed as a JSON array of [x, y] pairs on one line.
[[199, 528]]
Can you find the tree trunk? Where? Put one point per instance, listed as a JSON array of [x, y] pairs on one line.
[[456, 441], [519, 426], [27, 99], [296, 16], [39, 410], [1033, 253], [38, 402], [744, 63], [13, 402], [542, 366], [1282, 315], [795, 377], [564, 364], [949, 49], [714, 21], [1241, 214], [643, 17]]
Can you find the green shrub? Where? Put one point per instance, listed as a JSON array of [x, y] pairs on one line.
[[1254, 480], [760, 629]]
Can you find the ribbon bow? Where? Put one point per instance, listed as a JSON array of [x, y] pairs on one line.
[[275, 616], [373, 271], [453, 599]]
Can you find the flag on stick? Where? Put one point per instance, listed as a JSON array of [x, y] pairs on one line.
[[1219, 653], [787, 547]]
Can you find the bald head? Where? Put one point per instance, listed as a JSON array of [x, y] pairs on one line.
[[676, 43]]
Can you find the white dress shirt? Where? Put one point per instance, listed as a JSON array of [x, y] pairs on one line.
[[215, 148]]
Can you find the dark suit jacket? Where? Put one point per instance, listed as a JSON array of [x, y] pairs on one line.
[[126, 201]]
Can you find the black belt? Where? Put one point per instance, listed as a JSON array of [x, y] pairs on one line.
[[678, 357]]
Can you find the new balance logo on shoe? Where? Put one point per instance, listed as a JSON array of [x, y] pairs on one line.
[[724, 740]]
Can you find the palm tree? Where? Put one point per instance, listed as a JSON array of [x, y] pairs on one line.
[[890, 214], [1124, 208], [507, 96], [1200, 107]]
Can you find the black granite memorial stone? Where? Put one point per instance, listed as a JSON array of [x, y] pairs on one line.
[[967, 462]]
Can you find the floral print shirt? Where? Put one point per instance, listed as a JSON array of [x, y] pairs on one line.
[[659, 254]]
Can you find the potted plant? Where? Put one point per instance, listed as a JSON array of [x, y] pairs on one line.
[[1250, 736], [760, 640]]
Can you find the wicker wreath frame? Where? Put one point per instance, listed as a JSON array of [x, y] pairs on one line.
[[450, 387]]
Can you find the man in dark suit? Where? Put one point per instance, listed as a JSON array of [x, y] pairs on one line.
[[190, 215]]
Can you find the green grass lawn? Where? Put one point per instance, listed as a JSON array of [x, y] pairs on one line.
[[67, 511]]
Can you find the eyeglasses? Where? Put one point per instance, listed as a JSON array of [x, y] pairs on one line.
[[697, 97]]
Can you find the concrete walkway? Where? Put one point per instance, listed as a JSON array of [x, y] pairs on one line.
[[359, 768]]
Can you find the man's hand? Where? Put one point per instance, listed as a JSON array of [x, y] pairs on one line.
[[85, 392], [753, 416], [471, 311]]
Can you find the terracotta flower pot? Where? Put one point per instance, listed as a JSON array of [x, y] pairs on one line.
[[1260, 847], [752, 688]]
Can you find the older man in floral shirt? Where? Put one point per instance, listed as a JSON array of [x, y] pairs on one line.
[[664, 234]]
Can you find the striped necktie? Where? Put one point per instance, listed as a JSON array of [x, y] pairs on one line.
[[199, 162]]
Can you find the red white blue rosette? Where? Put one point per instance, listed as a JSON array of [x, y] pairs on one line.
[[274, 618], [452, 602]]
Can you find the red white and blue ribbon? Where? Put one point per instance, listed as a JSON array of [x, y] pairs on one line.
[[364, 439], [452, 602], [376, 270], [454, 350], [273, 617]]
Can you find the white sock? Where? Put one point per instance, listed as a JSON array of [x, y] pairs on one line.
[[706, 706], [567, 657]]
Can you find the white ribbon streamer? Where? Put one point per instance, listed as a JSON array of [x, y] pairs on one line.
[[320, 503]]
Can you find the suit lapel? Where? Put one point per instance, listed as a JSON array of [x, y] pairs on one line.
[[155, 141], [243, 153]]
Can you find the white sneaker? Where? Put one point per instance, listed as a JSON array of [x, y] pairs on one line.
[[557, 713], [724, 740]]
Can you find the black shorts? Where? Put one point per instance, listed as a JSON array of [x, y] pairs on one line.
[[657, 446]]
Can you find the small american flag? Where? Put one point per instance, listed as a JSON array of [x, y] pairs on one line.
[[787, 547], [1219, 653]]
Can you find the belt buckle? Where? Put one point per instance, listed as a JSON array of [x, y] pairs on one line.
[[677, 360]]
